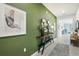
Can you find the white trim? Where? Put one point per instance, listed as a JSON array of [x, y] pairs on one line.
[[34, 54]]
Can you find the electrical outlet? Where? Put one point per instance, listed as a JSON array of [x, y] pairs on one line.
[[24, 49]]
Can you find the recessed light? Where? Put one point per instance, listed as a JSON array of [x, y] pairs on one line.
[[63, 11]]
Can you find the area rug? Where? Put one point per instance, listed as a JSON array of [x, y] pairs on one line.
[[60, 50]]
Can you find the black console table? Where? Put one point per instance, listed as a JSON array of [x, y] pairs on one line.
[[44, 40]]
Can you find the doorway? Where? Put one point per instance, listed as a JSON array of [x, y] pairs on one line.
[[65, 28]]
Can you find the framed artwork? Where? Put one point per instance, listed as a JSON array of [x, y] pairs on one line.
[[13, 21]]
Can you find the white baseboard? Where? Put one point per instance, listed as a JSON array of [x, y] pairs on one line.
[[35, 54]]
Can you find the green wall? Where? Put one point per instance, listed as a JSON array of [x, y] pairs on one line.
[[15, 45]]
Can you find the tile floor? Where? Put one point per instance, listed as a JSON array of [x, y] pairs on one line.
[[73, 51]]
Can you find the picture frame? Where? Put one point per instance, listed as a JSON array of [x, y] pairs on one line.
[[12, 21]]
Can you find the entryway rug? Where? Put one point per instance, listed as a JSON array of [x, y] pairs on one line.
[[60, 50]]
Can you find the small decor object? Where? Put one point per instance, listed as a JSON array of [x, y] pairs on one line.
[[13, 21]]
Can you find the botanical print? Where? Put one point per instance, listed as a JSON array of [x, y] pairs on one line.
[[13, 21], [10, 20]]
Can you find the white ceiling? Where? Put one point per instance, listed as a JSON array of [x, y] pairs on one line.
[[62, 9]]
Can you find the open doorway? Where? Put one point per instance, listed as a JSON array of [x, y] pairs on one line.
[[65, 28]]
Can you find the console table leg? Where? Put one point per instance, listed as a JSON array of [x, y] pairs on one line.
[[43, 49]]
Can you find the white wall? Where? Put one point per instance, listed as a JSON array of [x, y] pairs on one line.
[[77, 14]]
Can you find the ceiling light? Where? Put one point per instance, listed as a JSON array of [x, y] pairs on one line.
[[63, 11]]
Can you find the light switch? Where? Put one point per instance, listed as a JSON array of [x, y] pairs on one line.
[[24, 49]]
